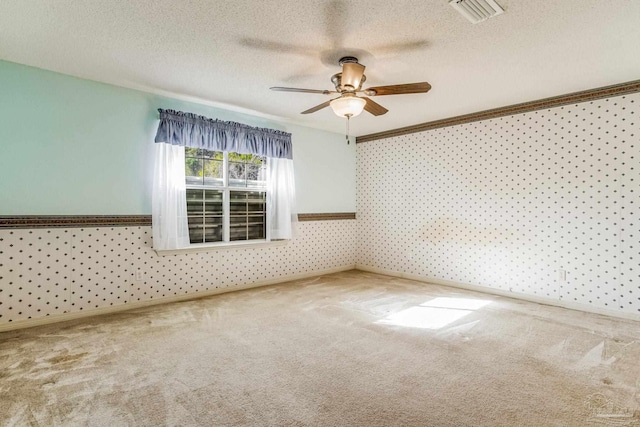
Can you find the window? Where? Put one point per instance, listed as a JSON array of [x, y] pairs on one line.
[[226, 196], [223, 197]]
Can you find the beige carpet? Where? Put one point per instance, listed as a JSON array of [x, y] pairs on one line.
[[349, 349]]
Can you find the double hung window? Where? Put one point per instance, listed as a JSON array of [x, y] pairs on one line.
[[226, 196], [219, 183]]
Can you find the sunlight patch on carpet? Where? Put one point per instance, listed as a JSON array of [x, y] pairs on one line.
[[434, 314]]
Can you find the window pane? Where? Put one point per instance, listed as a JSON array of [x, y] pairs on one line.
[[196, 229], [204, 210], [192, 152], [193, 170], [194, 200], [256, 175], [213, 172], [247, 170], [248, 215], [213, 202], [213, 234], [203, 167], [237, 174]]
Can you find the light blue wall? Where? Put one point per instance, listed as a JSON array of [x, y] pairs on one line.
[[70, 146]]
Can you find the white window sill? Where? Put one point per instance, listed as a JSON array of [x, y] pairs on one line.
[[206, 247]]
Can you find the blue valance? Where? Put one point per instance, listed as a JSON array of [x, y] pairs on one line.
[[191, 130]]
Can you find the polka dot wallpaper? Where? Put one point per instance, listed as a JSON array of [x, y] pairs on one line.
[[508, 203], [45, 272]]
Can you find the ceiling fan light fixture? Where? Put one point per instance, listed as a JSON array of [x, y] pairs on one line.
[[348, 106], [348, 84]]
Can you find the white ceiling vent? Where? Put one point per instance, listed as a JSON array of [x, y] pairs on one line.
[[477, 10]]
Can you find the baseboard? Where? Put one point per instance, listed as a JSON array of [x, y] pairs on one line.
[[29, 323], [515, 295]]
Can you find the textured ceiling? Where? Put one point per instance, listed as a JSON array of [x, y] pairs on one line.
[[231, 52]]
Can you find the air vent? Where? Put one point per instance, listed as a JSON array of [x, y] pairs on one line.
[[477, 10]]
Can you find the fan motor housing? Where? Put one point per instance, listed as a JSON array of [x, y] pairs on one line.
[[336, 79]]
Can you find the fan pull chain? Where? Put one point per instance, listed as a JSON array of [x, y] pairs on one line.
[[347, 135]]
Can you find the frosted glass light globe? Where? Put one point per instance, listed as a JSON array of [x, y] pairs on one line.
[[348, 106]]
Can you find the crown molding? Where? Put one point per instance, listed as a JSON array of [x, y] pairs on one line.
[[541, 104]]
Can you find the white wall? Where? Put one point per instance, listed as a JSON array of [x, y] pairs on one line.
[[506, 203]]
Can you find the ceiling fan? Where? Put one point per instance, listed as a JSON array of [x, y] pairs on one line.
[[348, 84]]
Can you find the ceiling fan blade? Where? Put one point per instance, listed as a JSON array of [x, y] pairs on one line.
[[373, 107], [277, 47], [317, 107], [394, 48], [294, 89], [398, 89], [352, 74]]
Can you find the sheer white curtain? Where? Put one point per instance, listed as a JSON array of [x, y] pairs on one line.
[[281, 191], [169, 204]]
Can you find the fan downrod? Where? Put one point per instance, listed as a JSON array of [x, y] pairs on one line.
[[347, 59]]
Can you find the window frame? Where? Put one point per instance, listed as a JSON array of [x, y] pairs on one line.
[[226, 190]]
